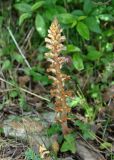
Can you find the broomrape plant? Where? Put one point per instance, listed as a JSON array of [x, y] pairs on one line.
[[54, 42]]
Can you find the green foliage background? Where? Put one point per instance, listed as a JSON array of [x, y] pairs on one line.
[[88, 27]]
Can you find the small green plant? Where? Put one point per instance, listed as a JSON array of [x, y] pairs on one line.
[[69, 143], [85, 129], [30, 155]]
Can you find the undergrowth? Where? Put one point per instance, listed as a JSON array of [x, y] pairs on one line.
[[89, 54]]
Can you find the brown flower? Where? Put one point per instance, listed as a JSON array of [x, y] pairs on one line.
[[54, 42]]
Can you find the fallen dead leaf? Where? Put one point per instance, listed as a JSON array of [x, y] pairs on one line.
[[23, 80]]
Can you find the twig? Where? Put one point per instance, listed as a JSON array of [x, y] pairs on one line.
[[20, 51], [27, 91], [28, 37]]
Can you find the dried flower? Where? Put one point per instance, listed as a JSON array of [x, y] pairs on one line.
[[54, 42]]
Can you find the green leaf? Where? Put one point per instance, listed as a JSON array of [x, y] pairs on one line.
[[69, 144], [37, 5], [105, 145], [13, 94], [40, 25], [54, 129], [83, 30], [50, 13], [66, 18], [93, 54], [92, 24], [109, 47], [6, 65], [75, 102], [23, 7], [80, 18], [85, 128], [23, 17], [18, 58], [78, 12], [78, 62], [113, 2], [88, 6], [72, 48], [106, 17]]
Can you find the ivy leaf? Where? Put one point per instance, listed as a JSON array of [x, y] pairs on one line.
[[40, 25], [78, 62], [83, 30]]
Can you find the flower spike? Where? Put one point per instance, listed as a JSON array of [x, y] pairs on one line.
[[54, 42]]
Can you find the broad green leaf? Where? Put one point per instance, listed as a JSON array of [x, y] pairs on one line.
[[66, 18], [69, 144], [23, 17], [88, 6], [93, 54], [6, 65], [92, 24], [78, 62], [37, 5], [23, 7], [83, 30], [51, 12], [78, 13], [72, 48], [40, 25]]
